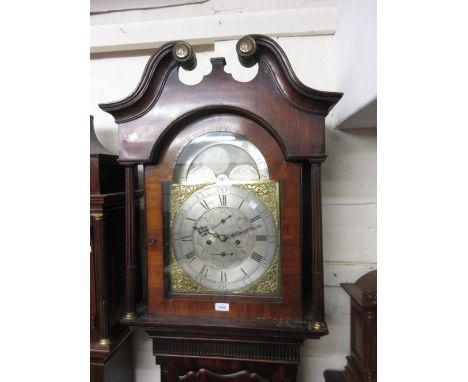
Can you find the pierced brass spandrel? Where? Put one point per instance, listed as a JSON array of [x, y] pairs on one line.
[[269, 284], [181, 282], [179, 194], [267, 192]]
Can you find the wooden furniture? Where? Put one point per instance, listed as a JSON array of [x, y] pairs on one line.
[[232, 184], [362, 362], [108, 337]]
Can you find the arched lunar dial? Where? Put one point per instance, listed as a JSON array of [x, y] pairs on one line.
[[224, 238], [227, 156]]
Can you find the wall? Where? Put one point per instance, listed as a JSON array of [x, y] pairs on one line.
[[349, 173], [356, 67]]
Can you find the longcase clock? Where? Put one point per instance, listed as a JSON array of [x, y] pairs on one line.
[[234, 273]]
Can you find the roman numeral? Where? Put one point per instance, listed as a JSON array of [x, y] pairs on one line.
[[256, 256], [244, 272], [260, 238], [223, 276], [204, 270], [190, 256], [262, 215], [205, 205], [240, 205], [223, 199], [187, 238], [191, 219], [255, 218]]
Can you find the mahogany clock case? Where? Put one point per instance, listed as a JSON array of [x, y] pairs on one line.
[[260, 336], [288, 305], [284, 118]]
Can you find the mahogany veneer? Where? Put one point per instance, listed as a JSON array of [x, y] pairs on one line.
[[362, 362]]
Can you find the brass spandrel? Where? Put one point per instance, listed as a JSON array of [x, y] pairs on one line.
[[181, 282], [267, 192], [179, 194], [269, 284]]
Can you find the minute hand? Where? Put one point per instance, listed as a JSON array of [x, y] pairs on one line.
[[241, 232], [221, 222]]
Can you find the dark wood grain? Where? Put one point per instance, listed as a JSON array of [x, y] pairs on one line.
[[176, 369], [107, 269], [130, 242], [362, 362], [274, 98], [107, 262], [318, 305], [92, 289], [106, 176], [100, 260], [205, 375]]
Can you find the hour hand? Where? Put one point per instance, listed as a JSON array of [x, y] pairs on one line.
[[204, 230]]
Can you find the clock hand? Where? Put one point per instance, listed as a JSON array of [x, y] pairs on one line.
[[241, 232], [204, 230], [222, 254], [221, 222]]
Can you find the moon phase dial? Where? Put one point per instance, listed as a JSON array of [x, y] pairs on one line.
[[224, 238]]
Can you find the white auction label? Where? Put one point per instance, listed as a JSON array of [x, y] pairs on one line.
[[221, 306]]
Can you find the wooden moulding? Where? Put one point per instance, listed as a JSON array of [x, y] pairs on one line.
[[274, 98], [130, 243]]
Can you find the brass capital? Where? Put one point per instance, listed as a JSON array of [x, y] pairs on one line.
[[97, 216], [130, 316], [318, 325], [104, 342]]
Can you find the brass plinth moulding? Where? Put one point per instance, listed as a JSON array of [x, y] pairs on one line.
[[318, 325], [130, 316], [97, 216]]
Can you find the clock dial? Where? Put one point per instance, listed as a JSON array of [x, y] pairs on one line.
[[220, 157], [224, 238]]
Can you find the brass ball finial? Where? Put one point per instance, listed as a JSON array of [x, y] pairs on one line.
[[184, 55], [246, 51], [181, 50], [245, 45]]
